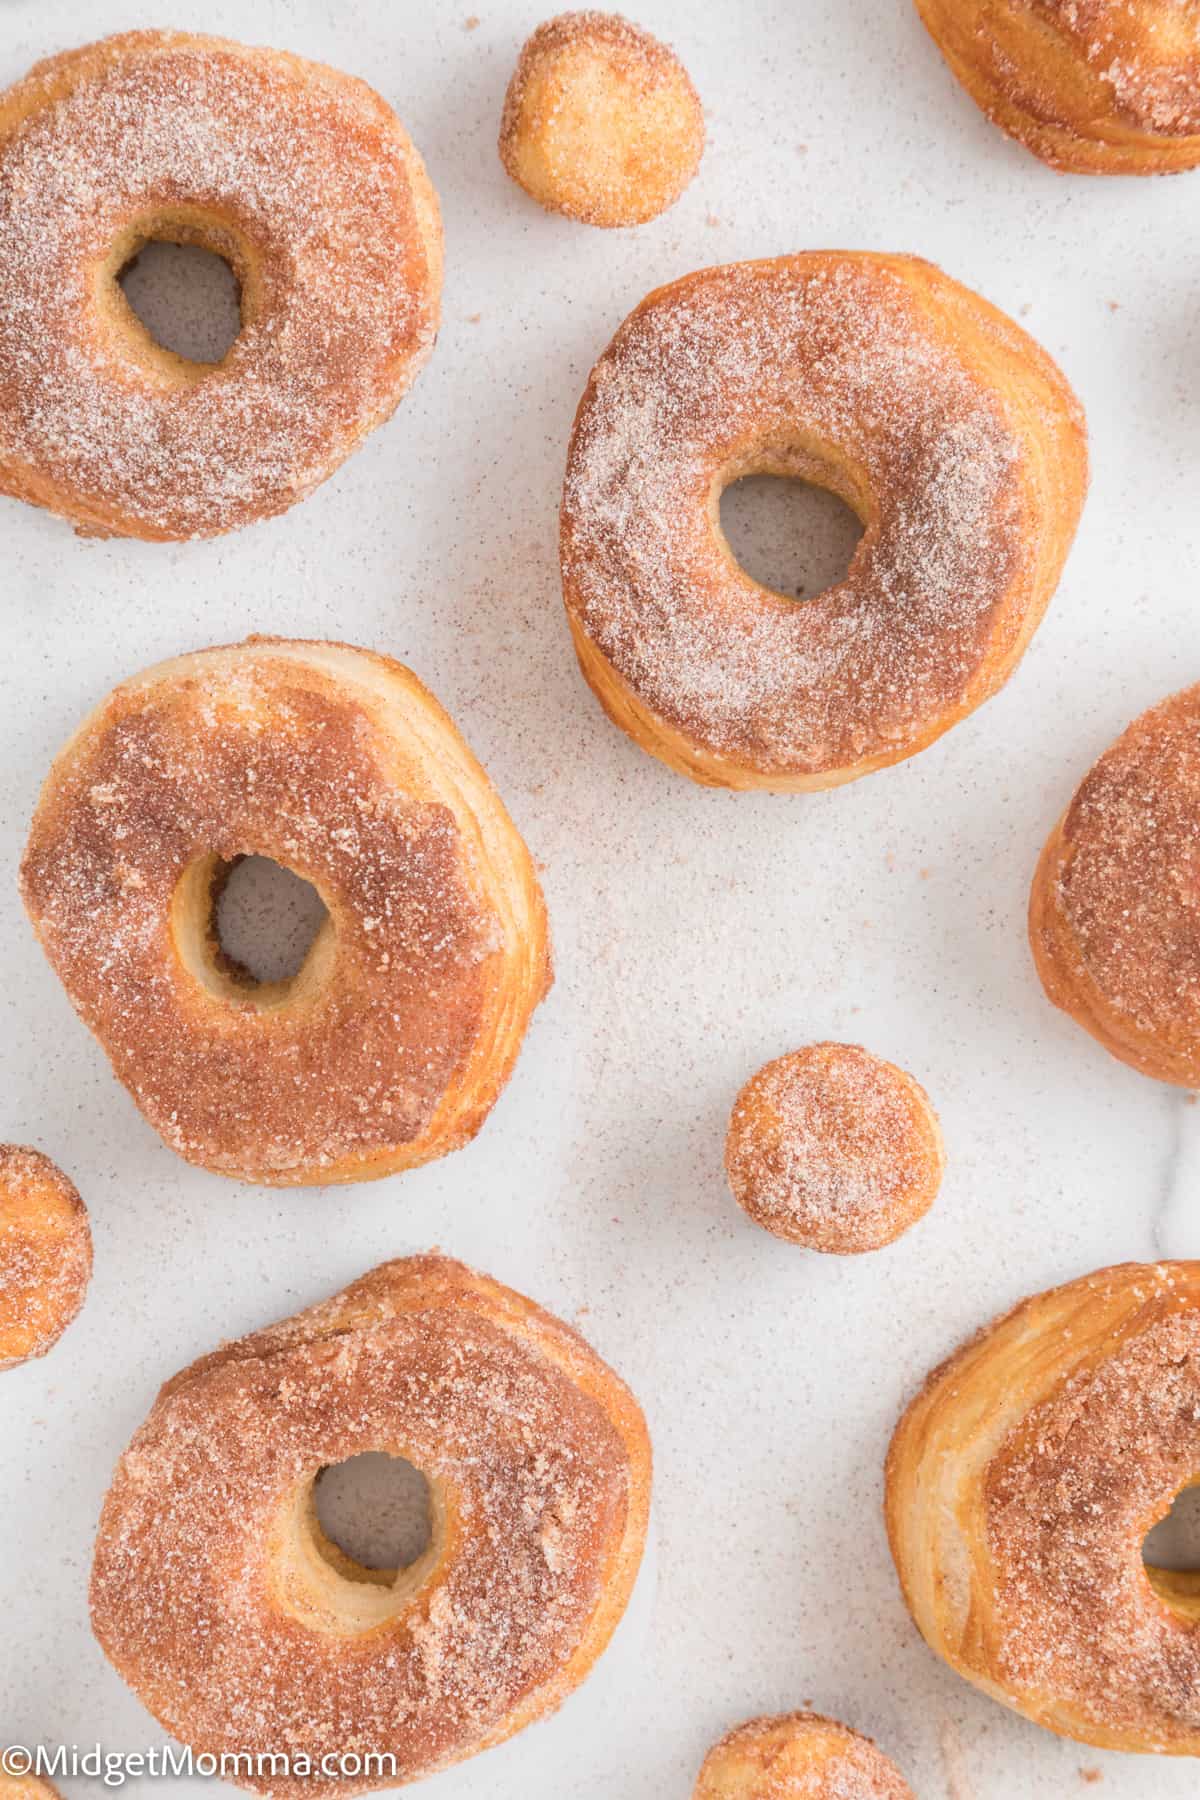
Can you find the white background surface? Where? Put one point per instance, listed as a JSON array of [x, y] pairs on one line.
[[697, 933]]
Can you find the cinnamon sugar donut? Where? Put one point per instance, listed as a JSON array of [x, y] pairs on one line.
[[1021, 1485], [45, 1254], [220, 1601], [601, 121], [798, 1756], [835, 1149], [1097, 87], [948, 431], [1114, 913], [394, 1039], [303, 180]]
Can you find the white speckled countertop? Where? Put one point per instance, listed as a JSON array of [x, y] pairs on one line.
[[697, 933]]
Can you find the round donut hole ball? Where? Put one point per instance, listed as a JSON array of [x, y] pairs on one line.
[[45, 1254], [25, 1787], [601, 121], [834, 1148], [798, 1754]]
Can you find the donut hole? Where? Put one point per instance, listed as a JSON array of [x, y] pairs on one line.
[[175, 292], [1171, 1554], [792, 536], [358, 1541], [377, 1511], [252, 930], [188, 299]]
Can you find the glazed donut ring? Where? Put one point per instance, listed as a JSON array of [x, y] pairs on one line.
[[1096, 87], [45, 1254], [393, 1041], [307, 185], [1114, 912], [953, 437], [258, 1640], [1021, 1484], [601, 121], [798, 1756], [834, 1148]]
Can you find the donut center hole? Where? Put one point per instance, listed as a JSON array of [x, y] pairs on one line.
[[377, 1510], [252, 932], [1171, 1554], [187, 299], [267, 919], [789, 535], [357, 1542]]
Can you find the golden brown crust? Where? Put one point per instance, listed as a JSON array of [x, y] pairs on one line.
[[601, 121], [303, 180], [26, 1787], [1021, 1485], [951, 434], [45, 1254], [1095, 87], [798, 1756], [834, 1148], [539, 1463], [1114, 911], [396, 1037]]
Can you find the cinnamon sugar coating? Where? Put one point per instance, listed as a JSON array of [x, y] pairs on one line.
[[834, 1148], [798, 1756], [1022, 1483], [601, 121], [953, 437], [303, 180], [1115, 906], [212, 1589], [395, 1038], [27, 1787], [45, 1254], [1097, 87]]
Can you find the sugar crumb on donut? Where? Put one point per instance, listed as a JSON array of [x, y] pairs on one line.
[[601, 121]]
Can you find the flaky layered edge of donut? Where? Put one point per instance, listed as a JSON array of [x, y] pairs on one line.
[[1047, 422], [947, 1445], [1035, 84], [52, 79], [516, 978], [423, 1283]]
